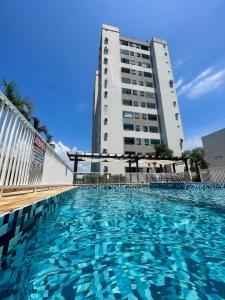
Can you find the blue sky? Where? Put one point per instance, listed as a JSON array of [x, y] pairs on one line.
[[50, 48]]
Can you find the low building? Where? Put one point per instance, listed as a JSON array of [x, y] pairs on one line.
[[214, 147]]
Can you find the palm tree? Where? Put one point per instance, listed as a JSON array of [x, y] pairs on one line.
[[49, 138], [23, 104], [163, 151], [197, 159]]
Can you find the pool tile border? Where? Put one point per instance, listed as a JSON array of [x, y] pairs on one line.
[[14, 224]]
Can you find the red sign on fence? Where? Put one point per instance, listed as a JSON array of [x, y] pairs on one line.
[[38, 155]]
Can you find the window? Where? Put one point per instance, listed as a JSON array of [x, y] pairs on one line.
[[139, 63], [138, 55], [104, 150], [176, 116], [135, 103], [136, 115], [125, 70], [105, 70], [106, 51], [145, 128], [146, 74], [146, 65], [126, 80], [132, 62], [105, 121], [153, 129], [127, 102], [133, 72], [106, 41], [123, 51], [105, 136], [148, 84], [171, 83], [105, 61], [151, 105], [127, 114], [129, 141], [152, 117], [134, 92], [137, 127], [140, 73], [141, 83], [105, 83], [144, 117], [155, 142], [138, 141], [145, 56], [132, 44], [131, 53], [134, 82], [125, 60], [146, 142], [174, 104], [105, 108], [181, 144], [143, 47], [142, 104], [150, 95], [128, 126], [105, 95], [126, 91], [138, 46], [142, 94], [105, 169], [125, 43], [165, 53]]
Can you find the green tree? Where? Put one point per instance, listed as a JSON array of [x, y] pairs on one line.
[[163, 151], [23, 104], [197, 160]]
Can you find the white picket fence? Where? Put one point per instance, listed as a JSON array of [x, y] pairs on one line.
[[17, 152]]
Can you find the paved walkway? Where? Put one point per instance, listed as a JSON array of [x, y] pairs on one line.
[[10, 203]]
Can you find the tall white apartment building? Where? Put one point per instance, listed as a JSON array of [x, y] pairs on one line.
[[135, 104]]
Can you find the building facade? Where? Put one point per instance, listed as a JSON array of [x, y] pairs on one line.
[[214, 147], [135, 105]]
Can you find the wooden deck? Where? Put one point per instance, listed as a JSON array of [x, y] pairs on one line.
[[11, 203]]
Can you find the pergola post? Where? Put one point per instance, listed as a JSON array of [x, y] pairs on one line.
[[75, 169], [130, 170], [174, 168], [137, 170], [186, 165]]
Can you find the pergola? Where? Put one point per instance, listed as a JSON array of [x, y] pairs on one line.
[[129, 158]]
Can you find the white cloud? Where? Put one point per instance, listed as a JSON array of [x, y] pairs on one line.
[[206, 82], [193, 142], [178, 83], [62, 150], [180, 62]]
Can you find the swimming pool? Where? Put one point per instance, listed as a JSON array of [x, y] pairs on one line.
[[123, 243]]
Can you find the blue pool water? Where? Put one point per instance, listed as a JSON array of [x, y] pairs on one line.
[[125, 244]]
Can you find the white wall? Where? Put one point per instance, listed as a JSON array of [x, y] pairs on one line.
[[172, 130]]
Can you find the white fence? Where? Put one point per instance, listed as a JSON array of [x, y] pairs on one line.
[[216, 175], [126, 178], [22, 162]]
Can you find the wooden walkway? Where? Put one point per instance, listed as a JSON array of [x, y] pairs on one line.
[[11, 203]]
